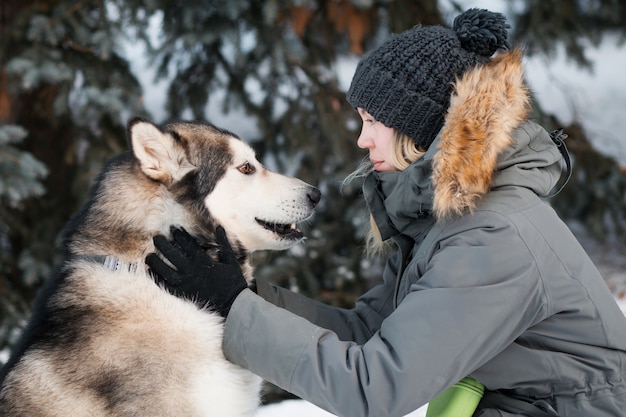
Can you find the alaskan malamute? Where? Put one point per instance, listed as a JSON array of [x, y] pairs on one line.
[[104, 339]]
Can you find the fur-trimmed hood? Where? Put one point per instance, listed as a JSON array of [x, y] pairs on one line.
[[485, 143], [488, 104]]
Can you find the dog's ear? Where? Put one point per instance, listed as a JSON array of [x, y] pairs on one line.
[[159, 154]]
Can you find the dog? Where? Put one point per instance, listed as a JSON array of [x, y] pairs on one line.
[[104, 339]]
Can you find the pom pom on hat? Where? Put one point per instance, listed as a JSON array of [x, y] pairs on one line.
[[481, 31], [406, 82]]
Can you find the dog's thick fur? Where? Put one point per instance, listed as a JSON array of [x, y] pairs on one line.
[[106, 342]]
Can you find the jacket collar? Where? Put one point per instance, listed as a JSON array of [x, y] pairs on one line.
[[402, 202]]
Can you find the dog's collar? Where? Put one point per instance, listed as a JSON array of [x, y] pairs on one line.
[[114, 264]]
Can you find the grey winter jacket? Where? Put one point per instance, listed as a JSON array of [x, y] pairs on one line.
[[486, 281]]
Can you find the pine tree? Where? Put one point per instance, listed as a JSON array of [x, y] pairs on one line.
[[20, 178], [63, 89]]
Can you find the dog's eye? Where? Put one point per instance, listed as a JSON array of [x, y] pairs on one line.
[[247, 168]]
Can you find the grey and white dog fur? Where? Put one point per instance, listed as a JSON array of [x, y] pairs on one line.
[[104, 339]]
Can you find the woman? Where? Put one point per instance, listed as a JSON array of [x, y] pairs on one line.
[[486, 281]]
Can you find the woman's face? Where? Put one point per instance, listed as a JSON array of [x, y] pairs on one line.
[[378, 139]]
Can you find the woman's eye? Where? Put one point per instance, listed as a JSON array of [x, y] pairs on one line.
[[247, 168]]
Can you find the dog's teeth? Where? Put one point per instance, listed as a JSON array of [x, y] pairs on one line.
[[281, 228]]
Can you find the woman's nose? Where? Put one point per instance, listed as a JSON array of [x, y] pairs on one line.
[[364, 142]]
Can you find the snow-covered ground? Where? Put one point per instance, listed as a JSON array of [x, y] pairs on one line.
[[299, 408]]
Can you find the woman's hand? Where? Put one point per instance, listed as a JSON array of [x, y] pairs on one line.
[[197, 277]]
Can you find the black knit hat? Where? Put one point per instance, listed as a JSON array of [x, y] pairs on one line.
[[406, 83]]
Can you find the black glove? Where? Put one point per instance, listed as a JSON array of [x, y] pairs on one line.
[[197, 276]]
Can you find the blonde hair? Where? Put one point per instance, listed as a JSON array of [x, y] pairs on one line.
[[404, 153]]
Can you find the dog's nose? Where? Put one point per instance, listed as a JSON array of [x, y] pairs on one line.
[[314, 195]]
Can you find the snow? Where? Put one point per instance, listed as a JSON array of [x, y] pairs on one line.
[[301, 408]]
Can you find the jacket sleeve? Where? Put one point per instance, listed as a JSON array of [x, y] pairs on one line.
[[357, 324], [478, 293]]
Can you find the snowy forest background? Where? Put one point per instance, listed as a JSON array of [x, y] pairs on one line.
[[274, 72]]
